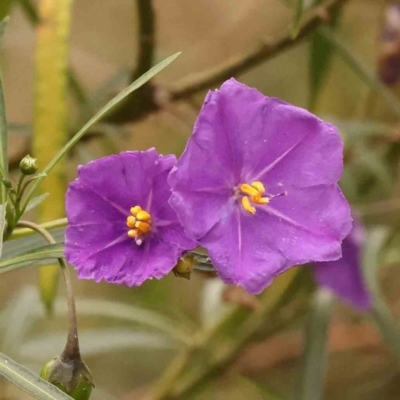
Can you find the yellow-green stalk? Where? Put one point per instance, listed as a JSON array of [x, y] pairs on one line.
[[50, 118]]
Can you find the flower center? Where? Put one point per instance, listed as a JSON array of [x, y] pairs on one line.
[[254, 192], [139, 223]]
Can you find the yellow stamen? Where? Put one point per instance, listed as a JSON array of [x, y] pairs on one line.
[[132, 233], [135, 210], [143, 216], [130, 221], [247, 206], [259, 186], [139, 223], [251, 191], [261, 200], [143, 227]]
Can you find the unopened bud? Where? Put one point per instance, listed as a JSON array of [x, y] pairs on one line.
[[6, 183], [28, 165], [184, 267], [72, 377]]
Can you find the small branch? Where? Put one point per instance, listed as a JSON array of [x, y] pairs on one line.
[[141, 101], [19, 233], [146, 21], [71, 351], [266, 50]]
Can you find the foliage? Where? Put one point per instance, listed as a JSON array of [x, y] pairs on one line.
[[198, 338]]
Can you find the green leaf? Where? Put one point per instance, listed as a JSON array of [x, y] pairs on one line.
[[3, 129], [112, 103], [30, 11], [3, 209], [29, 382], [21, 245], [377, 166], [28, 258], [380, 311], [321, 51], [36, 201], [311, 379], [298, 14], [359, 68]]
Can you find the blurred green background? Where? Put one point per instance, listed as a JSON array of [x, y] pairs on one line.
[[123, 348]]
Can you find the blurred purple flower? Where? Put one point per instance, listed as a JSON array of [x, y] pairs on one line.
[[121, 227], [257, 186], [344, 277], [389, 55]]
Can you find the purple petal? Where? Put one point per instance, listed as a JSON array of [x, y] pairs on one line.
[[126, 263], [307, 224], [344, 277], [241, 251], [269, 139]]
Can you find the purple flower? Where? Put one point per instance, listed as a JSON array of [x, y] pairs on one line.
[[344, 277], [121, 227], [257, 186]]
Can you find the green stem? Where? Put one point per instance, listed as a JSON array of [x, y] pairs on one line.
[[19, 233], [71, 350]]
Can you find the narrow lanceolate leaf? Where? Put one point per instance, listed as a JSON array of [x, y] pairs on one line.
[[23, 244], [321, 51], [3, 129], [380, 311], [36, 201], [2, 225], [311, 378], [111, 104], [32, 257], [30, 11], [298, 14], [50, 116], [29, 382]]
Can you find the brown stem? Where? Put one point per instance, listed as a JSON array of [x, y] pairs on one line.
[[141, 101], [71, 351], [266, 50]]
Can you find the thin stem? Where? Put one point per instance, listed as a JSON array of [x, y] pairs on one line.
[[58, 223], [71, 350], [146, 36], [267, 50]]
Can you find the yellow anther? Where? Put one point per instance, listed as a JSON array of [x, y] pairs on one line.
[[251, 191], [143, 216], [261, 200], [259, 186], [132, 233], [143, 227], [130, 221], [135, 210], [247, 206]]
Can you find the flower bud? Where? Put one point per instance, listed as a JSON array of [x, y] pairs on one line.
[[72, 377], [184, 267], [7, 184], [28, 165]]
